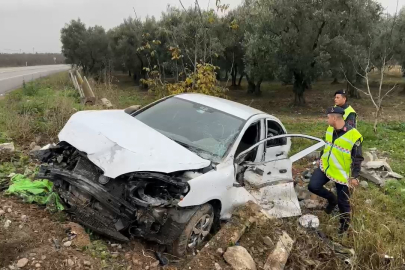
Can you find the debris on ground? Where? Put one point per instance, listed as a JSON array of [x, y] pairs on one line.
[[38, 191], [239, 258], [377, 170], [243, 217], [278, 258], [7, 147], [106, 103], [309, 221], [77, 234]]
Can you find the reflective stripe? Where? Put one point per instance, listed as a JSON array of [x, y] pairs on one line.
[[330, 133], [338, 166], [346, 139]]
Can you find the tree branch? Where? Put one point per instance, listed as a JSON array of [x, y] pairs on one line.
[[386, 94]]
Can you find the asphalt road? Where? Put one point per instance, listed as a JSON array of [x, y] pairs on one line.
[[12, 78]]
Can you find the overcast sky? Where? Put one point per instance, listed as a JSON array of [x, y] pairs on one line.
[[29, 25]]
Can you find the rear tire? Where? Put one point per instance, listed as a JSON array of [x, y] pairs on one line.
[[195, 232]]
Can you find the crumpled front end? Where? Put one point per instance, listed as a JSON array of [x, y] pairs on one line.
[[138, 204]]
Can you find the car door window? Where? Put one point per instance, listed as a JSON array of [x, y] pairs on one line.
[[274, 129], [249, 138]]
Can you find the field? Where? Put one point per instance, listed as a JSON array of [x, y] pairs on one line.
[[39, 110]]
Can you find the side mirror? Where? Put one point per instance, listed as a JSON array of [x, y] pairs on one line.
[[132, 109]]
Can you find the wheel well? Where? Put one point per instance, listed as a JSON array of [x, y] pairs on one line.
[[217, 205]]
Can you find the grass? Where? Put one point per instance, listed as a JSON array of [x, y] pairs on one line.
[[42, 108]]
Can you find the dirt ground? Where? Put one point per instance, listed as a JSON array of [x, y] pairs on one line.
[[39, 236]]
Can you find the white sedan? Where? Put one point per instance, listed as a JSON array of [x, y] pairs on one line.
[[170, 171]]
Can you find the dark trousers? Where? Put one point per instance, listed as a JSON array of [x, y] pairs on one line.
[[316, 186]]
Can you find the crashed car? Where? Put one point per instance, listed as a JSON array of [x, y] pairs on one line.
[[169, 172]]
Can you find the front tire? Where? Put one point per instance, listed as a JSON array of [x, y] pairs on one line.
[[195, 232]]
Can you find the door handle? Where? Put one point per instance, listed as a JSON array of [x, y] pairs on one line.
[[279, 154]]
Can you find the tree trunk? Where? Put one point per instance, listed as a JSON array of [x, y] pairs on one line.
[[377, 117], [335, 81], [251, 85], [258, 91], [234, 73], [353, 93], [226, 75], [359, 80], [299, 88], [129, 73], [240, 79]]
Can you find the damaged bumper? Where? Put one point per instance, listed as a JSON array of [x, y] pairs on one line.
[[135, 205]]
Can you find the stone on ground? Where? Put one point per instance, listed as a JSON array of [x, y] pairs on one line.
[[239, 258]]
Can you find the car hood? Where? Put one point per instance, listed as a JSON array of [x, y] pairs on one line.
[[118, 144]]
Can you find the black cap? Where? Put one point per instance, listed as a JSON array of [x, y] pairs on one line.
[[337, 110], [341, 92]]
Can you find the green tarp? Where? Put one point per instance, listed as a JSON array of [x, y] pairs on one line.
[[38, 191]]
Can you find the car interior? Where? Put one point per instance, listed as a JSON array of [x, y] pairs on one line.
[[251, 137]]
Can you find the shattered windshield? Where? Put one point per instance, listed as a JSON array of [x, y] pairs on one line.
[[201, 129]]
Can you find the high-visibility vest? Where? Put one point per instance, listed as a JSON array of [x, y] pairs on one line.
[[348, 111], [336, 160]]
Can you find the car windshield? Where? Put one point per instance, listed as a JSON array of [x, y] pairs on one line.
[[201, 129]]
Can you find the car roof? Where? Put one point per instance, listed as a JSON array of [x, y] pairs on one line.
[[233, 108]]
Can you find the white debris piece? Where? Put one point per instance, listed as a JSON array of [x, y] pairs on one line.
[[309, 221], [7, 147]]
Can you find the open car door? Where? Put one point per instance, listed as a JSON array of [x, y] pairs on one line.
[[271, 182]]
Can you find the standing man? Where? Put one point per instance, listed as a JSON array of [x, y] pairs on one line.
[[350, 115], [340, 163]]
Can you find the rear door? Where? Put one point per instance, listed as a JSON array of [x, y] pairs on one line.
[[271, 182]]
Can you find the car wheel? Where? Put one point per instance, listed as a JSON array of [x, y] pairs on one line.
[[195, 232]]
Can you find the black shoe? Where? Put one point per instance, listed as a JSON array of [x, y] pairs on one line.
[[343, 228], [330, 207]]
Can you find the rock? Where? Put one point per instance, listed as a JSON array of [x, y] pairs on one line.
[[7, 147], [115, 254], [7, 223], [43, 257], [155, 264], [24, 218], [38, 139], [82, 238], [87, 263], [239, 258], [106, 103], [33, 254], [363, 184], [67, 244], [309, 221], [20, 226], [2, 212], [220, 251], [278, 258], [302, 193], [9, 210], [70, 262], [372, 176], [312, 204], [37, 265], [377, 164], [268, 242], [22, 262], [217, 266], [368, 157], [368, 201], [32, 145]]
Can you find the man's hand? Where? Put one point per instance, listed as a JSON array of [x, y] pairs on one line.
[[353, 182]]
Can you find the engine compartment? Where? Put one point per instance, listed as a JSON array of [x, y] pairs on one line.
[[139, 204]]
